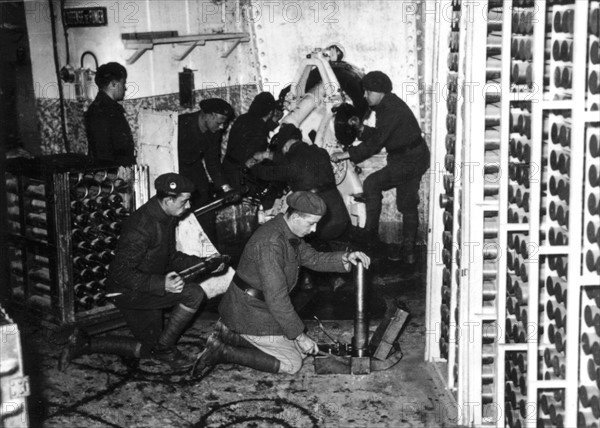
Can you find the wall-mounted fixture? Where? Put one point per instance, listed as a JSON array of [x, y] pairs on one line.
[[82, 78], [186, 88], [85, 17], [142, 42]]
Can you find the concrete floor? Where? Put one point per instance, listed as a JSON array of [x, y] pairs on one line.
[[105, 391]]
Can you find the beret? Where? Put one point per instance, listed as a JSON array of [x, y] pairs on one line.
[[217, 105], [307, 202], [377, 81], [287, 132], [173, 183], [262, 104]]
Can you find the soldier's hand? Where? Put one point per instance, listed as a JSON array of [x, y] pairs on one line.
[[339, 156], [250, 163], [215, 258], [265, 155], [307, 345], [356, 256], [173, 283], [217, 262]]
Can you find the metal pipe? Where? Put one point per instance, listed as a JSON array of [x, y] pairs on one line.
[[360, 322]]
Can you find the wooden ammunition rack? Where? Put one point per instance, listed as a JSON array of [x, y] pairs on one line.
[[63, 223]]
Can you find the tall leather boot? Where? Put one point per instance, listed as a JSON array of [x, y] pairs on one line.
[[217, 352], [165, 350], [410, 227], [231, 337], [81, 344], [406, 254]]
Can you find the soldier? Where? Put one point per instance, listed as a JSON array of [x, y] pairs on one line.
[[108, 132], [259, 327], [199, 144], [144, 280], [399, 132], [305, 167], [249, 134]]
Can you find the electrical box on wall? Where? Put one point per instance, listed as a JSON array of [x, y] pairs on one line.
[[85, 17], [186, 88]]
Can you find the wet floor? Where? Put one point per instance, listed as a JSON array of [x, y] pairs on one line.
[[106, 391]]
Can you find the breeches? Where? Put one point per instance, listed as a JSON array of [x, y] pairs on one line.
[[282, 348], [406, 178]]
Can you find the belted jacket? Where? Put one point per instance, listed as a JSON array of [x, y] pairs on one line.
[[270, 263]]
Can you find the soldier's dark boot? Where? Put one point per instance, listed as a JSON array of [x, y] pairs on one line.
[[407, 254], [165, 350], [81, 344], [218, 352], [231, 337]]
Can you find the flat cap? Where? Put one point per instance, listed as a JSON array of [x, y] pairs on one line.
[[377, 81], [173, 183], [287, 132], [307, 202], [217, 105], [262, 104]]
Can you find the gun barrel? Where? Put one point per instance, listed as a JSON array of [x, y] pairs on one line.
[[192, 270], [228, 197]]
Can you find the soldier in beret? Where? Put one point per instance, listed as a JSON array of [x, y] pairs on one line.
[[259, 327], [249, 134], [306, 167], [398, 130], [199, 144], [108, 132], [144, 280]]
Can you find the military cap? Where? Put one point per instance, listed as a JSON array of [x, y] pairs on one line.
[[307, 202], [173, 183], [217, 105], [377, 81], [287, 132], [262, 104]]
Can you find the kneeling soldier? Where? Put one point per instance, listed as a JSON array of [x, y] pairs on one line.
[[143, 277], [259, 327]]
